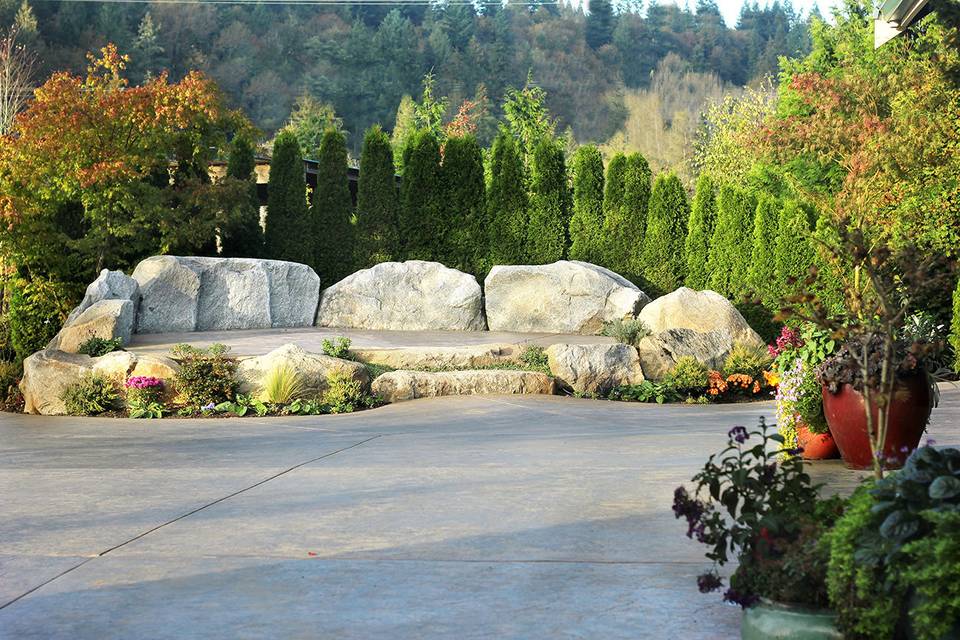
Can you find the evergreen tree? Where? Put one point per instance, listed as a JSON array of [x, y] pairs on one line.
[[636, 205], [731, 246], [147, 59], [465, 219], [404, 127], [377, 201], [760, 275], [244, 238], [663, 257], [614, 185], [955, 328], [421, 235], [600, 23], [287, 236], [507, 202], [703, 219], [332, 212], [549, 204], [586, 224], [792, 252]]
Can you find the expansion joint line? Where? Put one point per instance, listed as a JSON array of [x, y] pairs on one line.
[[186, 515]]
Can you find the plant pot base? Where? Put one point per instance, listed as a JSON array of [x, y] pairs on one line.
[[772, 620], [816, 446]]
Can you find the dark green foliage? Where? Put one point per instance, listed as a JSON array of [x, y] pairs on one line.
[[507, 202], [703, 220], [549, 204], [663, 260], [760, 274], [586, 224], [731, 246], [338, 347], [615, 243], [421, 234], [646, 391], [206, 376], [244, 238], [600, 23], [792, 253], [37, 311], [288, 236], [534, 358], [955, 328], [630, 230], [377, 201], [96, 347], [614, 184], [332, 212], [91, 395], [464, 223]]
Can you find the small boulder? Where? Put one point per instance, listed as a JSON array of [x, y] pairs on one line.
[[463, 357], [406, 296], [106, 319], [46, 375], [313, 369], [700, 311], [563, 297], [109, 285], [660, 352], [594, 368], [398, 386]]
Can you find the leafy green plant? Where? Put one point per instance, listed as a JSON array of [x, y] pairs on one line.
[[688, 374], [338, 347], [10, 374], [36, 312], [535, 358], [96, 347], [144, 397], [242, 405], [646, 391], [344, 394], [752, 361], [628, 331], [375, 370], [932, 573], [91, 395], [281, 385], [307, 407], [140, 409], [206, 376]]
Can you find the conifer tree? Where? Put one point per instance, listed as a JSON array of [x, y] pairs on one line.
[[287, 236], [703, 219], [613, 188], [792, 252], [244, 238], [507, 202], [464, 207], [377, 201], [421, 235], [586, 224], [663, 256], [549, 203], [761, 273], [955, 328], [332, 212], [633, 229], [731, 246]]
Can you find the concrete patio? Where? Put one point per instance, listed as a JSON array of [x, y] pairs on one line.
[[473, 517]]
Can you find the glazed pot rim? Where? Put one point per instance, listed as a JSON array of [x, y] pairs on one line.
[[793, 607]]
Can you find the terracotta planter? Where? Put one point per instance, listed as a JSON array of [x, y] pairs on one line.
[[771, 620], [816, 446], [909, 412]]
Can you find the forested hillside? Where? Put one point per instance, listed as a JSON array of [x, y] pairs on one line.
[[597, 70]]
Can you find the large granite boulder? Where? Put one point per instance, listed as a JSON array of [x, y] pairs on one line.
[[660, 352], [594, 368], [563, 297], [109, 285], [106, 319], [208, 294], [700, 311], [408, 296], [463, 357], [312, 368], [397, 386]]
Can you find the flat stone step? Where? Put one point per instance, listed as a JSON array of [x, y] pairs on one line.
[[398, 386]]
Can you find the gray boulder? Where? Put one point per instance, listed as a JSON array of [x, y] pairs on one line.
[[594, 368], [563, 297], [169, 295], [409, 296], [700, 311], [397, 386], [660, 352], [109, 285], [107, 319], [313, 369]]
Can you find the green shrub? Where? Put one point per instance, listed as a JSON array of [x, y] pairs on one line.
[[731, 246], [689, 374], [626, 331], [646, 391], [955, 329], [331, 213], [464, 211], [792, 254], [636, 205], [703, 220], [206, 376], [244, 237], [586, 223], [96, 347], [288, 235], [421, 235], [338, 347], [37, 311], [242, 405], [663, 261], [933, 573], [10, 374], [344, 394], [535, 358], [752, 361], [549, 204], [91, 395], [507, 202], [761, 271], [377, 201], [281, 385], [375, 370]]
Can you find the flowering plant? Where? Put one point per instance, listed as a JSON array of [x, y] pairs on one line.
[[752, 502], [144, 395], [143, 382], [799, 402]]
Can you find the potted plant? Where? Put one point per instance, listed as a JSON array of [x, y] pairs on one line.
[[753, 503], [799, 398], [859, 366]]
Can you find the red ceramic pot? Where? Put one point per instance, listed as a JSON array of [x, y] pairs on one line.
[[816, 446], [909, 412]]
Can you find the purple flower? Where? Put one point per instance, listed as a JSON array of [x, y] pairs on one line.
[[796, 451], [931, 442], [143, 382], [709, 582], [739, 434], [208, 407]]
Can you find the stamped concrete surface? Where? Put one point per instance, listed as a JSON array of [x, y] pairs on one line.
[[473, 517]]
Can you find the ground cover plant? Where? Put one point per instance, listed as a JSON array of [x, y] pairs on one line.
[[144, 397], [91, 395], [96, 347]]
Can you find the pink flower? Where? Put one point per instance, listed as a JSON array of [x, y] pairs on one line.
[[143, 382]]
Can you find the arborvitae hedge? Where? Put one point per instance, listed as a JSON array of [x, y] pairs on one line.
[[663, 256], [332, 215], [287, 236], [549, 204], [614, 184], [586, 224], [421, 235], [829, 286], [731, 246], [955, 328], [614, 249], [244, 238], [464, 222], [792, 253], [703, 220], [760, 275], [507, 202], [633, 228], [377, 201]]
